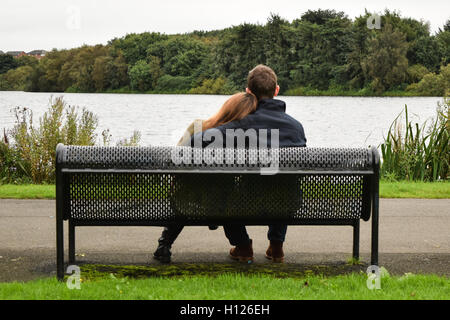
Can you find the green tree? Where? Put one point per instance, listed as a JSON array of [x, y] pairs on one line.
[[118, 71], [386, 64], [110, 72], [358, 51], [277, 48], [7, 62], [179, 55], [412, 29], [135, 46], [240, 50], [140, 76], [100, 74], [27, 61], [446, 26], [82, 65], [18, 79], [47, 77], [320, 16], [155, 69], [321, 49], [425, 51], [443, 39]]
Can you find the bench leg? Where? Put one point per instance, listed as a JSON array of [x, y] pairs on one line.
[[71, 242], [375, 217], [59, 248], [356, 240]]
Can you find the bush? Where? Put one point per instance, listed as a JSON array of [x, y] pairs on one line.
[[214, 86], [430, 85], [416, 73], [27, 153], [433, 84], [33, 149], [73, 89]]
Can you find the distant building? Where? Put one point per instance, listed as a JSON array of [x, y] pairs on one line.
[[38, 54], [16, 54], [1, 52]]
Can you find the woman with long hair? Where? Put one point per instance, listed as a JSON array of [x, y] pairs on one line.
[[237, 107]]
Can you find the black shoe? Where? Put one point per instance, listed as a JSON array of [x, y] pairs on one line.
[[213, 227], [162, 254]]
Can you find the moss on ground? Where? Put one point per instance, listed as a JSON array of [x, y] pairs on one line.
[[97, 271]]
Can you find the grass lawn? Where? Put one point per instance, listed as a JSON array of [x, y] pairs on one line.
[[422, 190], [402, 189], [233, 286], [27, 191]]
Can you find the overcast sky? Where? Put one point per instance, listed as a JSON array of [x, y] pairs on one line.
[[45, 24]]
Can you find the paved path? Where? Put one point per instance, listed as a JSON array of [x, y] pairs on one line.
[[414, 237]]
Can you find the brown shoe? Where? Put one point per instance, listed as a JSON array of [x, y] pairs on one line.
[[275, 252], [242, 253]]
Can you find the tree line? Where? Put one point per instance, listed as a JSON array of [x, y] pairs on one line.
[[322, 52]]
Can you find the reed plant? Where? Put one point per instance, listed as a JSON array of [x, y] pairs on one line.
[[417, 152], [12, 168]]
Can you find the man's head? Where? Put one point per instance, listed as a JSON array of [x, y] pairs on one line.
[[262, 82]]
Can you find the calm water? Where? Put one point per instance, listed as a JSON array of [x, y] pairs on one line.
[[161, 119]]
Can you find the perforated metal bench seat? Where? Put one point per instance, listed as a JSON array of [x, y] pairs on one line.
[[153, 186]]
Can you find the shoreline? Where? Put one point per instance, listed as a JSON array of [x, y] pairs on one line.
[[323, 94]]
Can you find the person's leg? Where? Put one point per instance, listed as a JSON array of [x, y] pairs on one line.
[[276, 236], [236, 234], [277, 232], [168, 236], [238, 237]]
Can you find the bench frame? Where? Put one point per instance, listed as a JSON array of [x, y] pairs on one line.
[[62, 189]]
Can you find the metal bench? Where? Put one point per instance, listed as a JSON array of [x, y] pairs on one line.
[[144, 186]]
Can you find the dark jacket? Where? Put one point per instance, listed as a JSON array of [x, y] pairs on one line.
[[270, 114]]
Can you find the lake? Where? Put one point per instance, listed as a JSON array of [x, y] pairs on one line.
[[161, 119]]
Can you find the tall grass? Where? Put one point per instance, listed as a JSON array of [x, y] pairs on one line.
[[419, 153], [27, 151]]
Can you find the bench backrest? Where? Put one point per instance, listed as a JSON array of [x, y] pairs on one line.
[[155, 185]]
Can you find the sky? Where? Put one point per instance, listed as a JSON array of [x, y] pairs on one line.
[[44, 24]]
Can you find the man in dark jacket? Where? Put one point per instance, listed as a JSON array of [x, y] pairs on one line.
[[270, 114]]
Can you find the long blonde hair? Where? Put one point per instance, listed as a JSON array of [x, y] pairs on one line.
[[237, 107]]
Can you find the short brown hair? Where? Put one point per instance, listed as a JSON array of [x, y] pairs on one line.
[[262, 81]]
